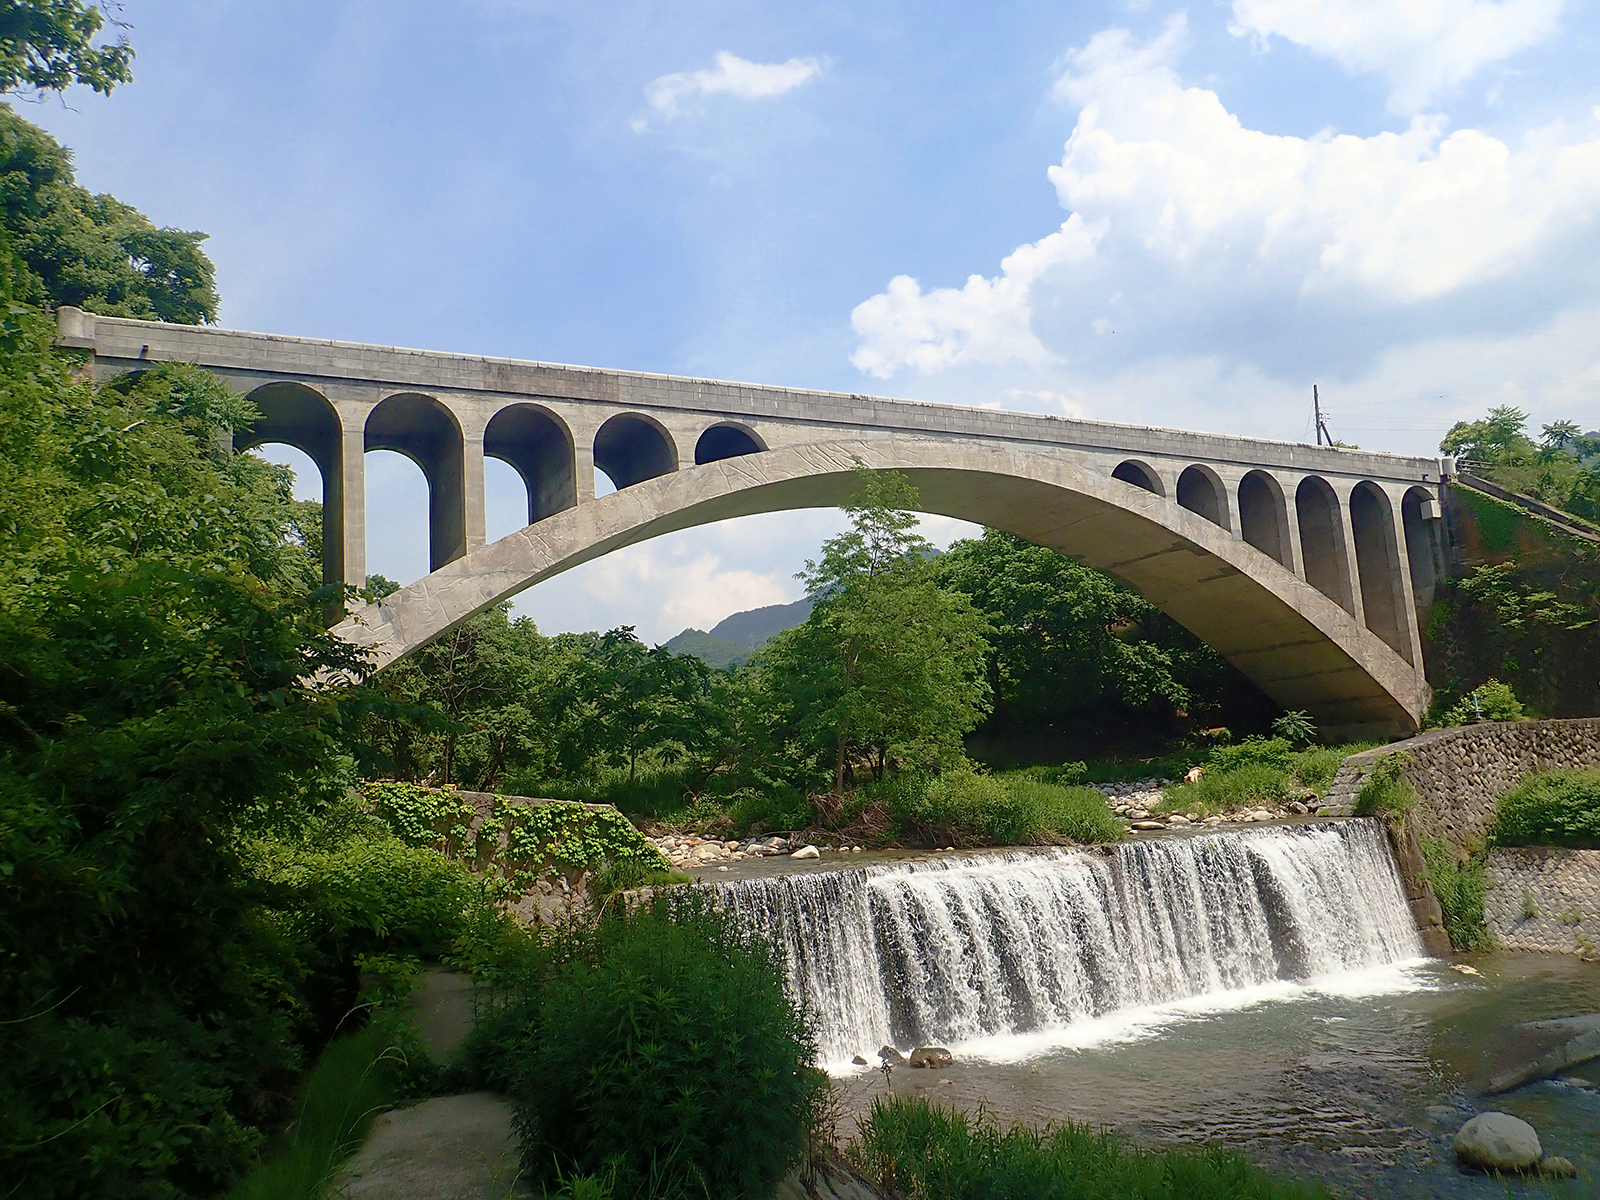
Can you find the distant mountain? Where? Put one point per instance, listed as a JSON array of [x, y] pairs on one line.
[[753, 627], [713, 651], [734, 639]]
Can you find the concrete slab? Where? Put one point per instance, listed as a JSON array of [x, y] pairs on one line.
[[447, 1148]]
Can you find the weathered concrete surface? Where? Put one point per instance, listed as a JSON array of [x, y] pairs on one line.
[[1300, 647], [447, 1148]]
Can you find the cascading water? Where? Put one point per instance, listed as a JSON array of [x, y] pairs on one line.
[[983, 945]]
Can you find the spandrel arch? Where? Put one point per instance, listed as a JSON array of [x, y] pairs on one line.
[[1140, 474], [538, 445], [1378, 565], [631, 448], [726, 439], [1264, 516], [296, 415], [1322, 546], [1201, 490], [426, 432]]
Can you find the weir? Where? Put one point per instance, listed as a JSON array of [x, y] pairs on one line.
[[942, 952]]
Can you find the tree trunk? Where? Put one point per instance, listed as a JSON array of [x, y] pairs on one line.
[[838, 766]]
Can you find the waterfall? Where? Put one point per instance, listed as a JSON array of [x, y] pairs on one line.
[[963, 947]]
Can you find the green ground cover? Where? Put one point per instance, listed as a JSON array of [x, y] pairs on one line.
[[1550, 808], [1258, 771]]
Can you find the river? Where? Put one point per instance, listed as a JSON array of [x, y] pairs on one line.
[[1262, 989]]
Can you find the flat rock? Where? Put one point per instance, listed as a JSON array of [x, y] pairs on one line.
[[1497, 1141], [1148, 826], [447, 1148]]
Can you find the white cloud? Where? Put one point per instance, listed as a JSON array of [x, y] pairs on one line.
[[733, 75], [1188, 227], [987, 321], [1422, 47]]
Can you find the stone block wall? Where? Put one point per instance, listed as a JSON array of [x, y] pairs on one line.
[[1544, 898], [1458, 775]]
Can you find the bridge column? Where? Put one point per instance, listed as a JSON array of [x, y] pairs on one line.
[[353, 488], [473, 500], [1231, 478], [584, 425], [1405, 594], [1291, 520], [1342, 489]]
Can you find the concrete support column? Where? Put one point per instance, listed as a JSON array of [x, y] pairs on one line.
[[353, 488], [1291, 521], [583, 432], [1230, 477], [473, 499], [1404, 597], [1347, 532]]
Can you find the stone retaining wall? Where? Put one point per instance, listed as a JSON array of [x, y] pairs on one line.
[[1458, 775], [1544, 898]]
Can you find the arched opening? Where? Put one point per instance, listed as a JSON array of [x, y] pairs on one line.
[[426, 432], [725, 441], [1322, 541], [397, 517], [631, 448], [297, 416], [1200, 491], [1419, 513], [537, 444], [1378, 565], [1263, 517], [1138, 474]]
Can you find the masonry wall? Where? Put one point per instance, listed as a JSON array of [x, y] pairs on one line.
[[1458, 775], [1544, 898]]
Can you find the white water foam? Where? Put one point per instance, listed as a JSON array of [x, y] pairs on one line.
[[1005, 956]]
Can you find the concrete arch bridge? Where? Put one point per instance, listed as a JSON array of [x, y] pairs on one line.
[[1303, 566]]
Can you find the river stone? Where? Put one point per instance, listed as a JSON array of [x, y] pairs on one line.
[[931, 1056], [1148, 826], [807, 852], [892, 1056], [1497, 1141]]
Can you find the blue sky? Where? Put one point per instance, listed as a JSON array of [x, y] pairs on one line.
[[1128, 211]]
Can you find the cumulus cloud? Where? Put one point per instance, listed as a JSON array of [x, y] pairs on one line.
[[732, 75], [1190, 231], [1422, 47]]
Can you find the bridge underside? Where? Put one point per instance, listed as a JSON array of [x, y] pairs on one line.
[[1303, 649]]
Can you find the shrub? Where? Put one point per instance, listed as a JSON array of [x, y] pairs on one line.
[[1235, 787], [967, 806], [658, 1048], [1460, 887], [1495, 702], [1295, 727], [1316, 768], [921, 1151], [1551, 808], [1385, 791], [1255, 751]]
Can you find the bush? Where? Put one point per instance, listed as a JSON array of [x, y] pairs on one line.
[[1551, 808], [1236, 787], [1295, 727], [1460, 888], [1385, 791], [920, 1151], [656, 1048], [965, 806], [1495, 702], [1255, 751], [1317, 767]]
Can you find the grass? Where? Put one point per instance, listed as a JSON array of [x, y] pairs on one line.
[[1386, 791], [1460, 888], [352, 1083], [966, 807], [1257, 771], [1550, 808], [919, 1151]]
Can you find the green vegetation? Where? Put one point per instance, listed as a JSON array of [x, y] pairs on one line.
[[48, 45], [1562, 468], [920, 1151], [1460, 885], [1257, 771], [1550, 808], [965, 807], [1386, 791], [1489, 701], [655, 1049]]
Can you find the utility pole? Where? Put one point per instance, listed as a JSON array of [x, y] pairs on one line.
[[1316, 412]]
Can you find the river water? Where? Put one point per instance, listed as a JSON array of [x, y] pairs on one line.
[[1261, 989]]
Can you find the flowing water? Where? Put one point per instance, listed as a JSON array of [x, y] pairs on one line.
[[1263, 989]]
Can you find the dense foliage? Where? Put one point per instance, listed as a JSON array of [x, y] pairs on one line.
[[1257, 771], [1550, 808], [921, 1151], [655, 1048], [965, 807], [48, 45], [92, 251], [1562, 468]]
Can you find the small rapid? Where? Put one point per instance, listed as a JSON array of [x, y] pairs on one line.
[[1022, 942]]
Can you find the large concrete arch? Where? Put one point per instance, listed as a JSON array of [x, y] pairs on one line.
[[1299, 646]]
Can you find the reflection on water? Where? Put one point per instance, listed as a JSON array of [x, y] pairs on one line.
[[1360, 1081]]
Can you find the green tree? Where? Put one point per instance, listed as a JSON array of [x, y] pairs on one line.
[[1562, 468], [1070, 643], [48, 45], [92, 251], [889, 667]]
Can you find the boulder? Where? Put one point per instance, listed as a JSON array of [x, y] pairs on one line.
[[1148, 826], [807, 852], [707, 850], [1497, 1141], [859, 1061], [1558, 1167], [892, 1056], [931, 1056]]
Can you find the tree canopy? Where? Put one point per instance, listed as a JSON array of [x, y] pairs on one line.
[[48, 45], [1561, 468]]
